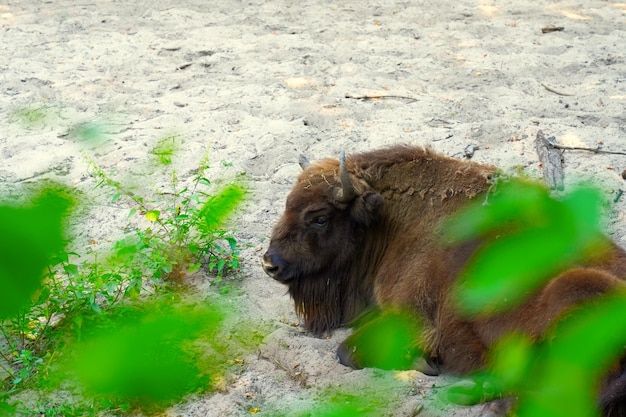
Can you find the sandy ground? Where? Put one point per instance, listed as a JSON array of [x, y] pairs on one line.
[[256, 83]]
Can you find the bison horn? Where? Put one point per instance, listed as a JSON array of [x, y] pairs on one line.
[[304, 162], [347, 192]]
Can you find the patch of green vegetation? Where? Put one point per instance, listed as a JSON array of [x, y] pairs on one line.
[[84, 309], [184, 226], [144, 356], [522, 218], [32, 117], [31, 235], [62, 408], [379, 394], [165, 149], [531, 237], [386, 340], [90, 132]]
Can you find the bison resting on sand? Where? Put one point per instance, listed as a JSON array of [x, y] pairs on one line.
[[363, 232]]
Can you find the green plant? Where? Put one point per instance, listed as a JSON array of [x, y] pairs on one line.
[[184, 224], [165, 149], [31, 116], [27, 363], [59, 410], [145, 355], [552, 234], [93, 295], [178, 234], [32, 231], [71, 291], [538, 236]]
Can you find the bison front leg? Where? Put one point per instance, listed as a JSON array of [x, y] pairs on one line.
[[497, 408], [458, 347], [350, 354], [386, 340], [461, 351]]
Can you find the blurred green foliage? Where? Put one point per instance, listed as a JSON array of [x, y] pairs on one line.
[[564, 378], [386, 340], [89, 132], [165, 149], [31, 116], [529, 237], [559, 376], [219, 206], [65, 315], [376, 394], [32, 234], [145, 358]]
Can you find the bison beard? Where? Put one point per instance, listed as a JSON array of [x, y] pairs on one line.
[[363, 234]]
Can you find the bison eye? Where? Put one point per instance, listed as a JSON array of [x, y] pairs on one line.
[[320, 221]]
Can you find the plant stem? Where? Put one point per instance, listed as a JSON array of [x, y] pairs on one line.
[[8, 340]]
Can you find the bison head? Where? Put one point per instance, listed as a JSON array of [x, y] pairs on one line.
[[319, 238]]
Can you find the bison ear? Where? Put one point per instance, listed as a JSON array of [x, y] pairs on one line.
[[366, 208]]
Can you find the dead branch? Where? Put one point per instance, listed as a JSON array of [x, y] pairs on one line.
[[551, 160], [550, 29], [580, 148], [557, 92], [374, 97]]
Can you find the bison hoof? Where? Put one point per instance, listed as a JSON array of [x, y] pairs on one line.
[[346, 356], [426, 366]]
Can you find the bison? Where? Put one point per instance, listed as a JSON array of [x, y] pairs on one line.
[[363, 232]]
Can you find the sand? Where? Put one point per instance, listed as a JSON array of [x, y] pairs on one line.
[[256, 83]]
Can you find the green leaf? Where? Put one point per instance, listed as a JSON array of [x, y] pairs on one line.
[[215, 211], [124, 250], [134, 288], [95, 307], [71, 270], [31, 235], [232, 243], [153, 215], [511, 360], [164, 149], [499, 278], [220, 266], [515, 204], [581, 350], [527, 237], [387, 340], [7, 410], [145, 360]]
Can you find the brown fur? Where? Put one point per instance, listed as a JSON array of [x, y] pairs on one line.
[[383, 249]]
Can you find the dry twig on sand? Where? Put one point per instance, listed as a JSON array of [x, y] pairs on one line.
[[552, 160], [374, 97], [557, 92], [549, 29]]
